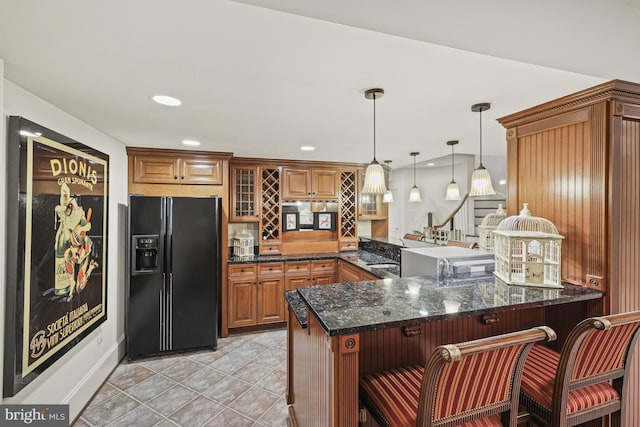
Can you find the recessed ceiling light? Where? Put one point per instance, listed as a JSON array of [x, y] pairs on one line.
[[190, 142], [307, 148], [431, 164], [166, 100], [28, 133]]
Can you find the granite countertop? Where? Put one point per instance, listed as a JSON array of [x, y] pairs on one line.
[[298, 306], [347, 308]]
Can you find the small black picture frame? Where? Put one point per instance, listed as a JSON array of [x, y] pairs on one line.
[[324, 221], [290, 221]]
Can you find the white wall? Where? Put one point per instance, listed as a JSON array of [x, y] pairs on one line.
[[405, 217], [77, 375]]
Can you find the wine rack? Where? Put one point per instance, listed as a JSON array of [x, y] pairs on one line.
[[270, 215], [348, 205]]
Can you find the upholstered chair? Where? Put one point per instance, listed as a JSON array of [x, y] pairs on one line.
[[588, 378], [475, 383]]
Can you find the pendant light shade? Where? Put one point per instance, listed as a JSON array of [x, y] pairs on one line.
[[481, 179], [414, 193], [374, 181], [388, 195], [453, 192]]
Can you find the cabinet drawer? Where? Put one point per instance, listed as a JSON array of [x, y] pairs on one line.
[[269, 248], [324, 265], [348, 246], [270, 268], [297, 267], [242, 270]]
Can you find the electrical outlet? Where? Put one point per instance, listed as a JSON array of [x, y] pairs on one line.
[[100, 335]]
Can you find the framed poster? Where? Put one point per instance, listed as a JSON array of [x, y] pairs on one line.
[[324, 221], [57, 248], [290, 221]]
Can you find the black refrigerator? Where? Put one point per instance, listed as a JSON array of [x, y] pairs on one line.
[[173, 292]]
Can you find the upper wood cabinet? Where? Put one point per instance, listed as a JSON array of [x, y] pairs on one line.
[[187, 169], [309, 183], [245, 184]]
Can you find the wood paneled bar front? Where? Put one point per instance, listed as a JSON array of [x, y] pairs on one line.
[[575, 160], [336, 333]]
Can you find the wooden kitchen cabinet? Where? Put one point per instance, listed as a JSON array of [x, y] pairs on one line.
[[348, 272], [256, 294], [305, 273], [244, 194], [242, 295], [189, 169], [309, 183]]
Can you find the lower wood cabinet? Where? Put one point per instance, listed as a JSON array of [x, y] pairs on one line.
[[348, 272], [306, 273], [256, 294]]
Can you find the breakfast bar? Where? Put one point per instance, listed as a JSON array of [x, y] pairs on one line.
[[336, 333]]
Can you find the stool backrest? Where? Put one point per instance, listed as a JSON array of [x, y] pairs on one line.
[[462, 244], [473, 380], [598, 349]]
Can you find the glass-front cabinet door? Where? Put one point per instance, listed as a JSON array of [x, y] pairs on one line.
[[245, 194]]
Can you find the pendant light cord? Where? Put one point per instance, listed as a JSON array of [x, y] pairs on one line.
[[414, 171], [452, 179], [480, 138], [374, 126]]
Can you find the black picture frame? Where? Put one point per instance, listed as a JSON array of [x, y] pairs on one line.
[[324, 221], [290, 221], [57, 230]]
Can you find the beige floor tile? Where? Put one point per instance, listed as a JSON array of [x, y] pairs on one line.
[[206, 357], [227, 390], [106, 392], [275, 382], [197, 412], [109, 410], [276, 416], [229, 418], [160, 363], [273, 356], [230, 363], [151, 387], [254, 402], [253, 372], [126, 376], [172, 400], [203, 379], [183, 369], [139, 417]]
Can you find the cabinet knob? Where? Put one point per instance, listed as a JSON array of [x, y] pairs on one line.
[[182, 177], [270, 268], [298, 267], [242, 270], [175, 176]]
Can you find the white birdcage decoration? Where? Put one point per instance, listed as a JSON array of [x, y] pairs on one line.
[[487, 226], [528, 251], [243, 244]]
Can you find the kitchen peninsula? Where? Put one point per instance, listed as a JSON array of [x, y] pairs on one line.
[[339, 332]]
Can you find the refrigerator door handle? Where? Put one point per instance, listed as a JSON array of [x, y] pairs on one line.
[[170, 329], [162, 314], [169, 228]]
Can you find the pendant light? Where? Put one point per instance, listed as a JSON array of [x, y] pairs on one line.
[[414, 194], [481, 179], [453, 192], [374, 175], [388, 195]]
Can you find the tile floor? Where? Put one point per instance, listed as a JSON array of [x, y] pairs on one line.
[[242, 383]]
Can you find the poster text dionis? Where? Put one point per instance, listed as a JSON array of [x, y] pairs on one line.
[[65, 258]]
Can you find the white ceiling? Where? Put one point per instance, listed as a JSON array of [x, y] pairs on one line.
[[262, 81]]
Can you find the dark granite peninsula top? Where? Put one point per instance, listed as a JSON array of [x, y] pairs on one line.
[[298, 306], [347, 308]]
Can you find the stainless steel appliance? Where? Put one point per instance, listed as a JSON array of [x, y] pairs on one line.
[[445, 261], [173, 291]]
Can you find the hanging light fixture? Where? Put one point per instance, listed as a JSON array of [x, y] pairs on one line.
[[453, 191], [414, 194], [374, 175], [388, 195], [481, 179]]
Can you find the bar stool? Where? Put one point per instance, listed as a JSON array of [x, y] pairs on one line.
[[475, 383], [588, 378]]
